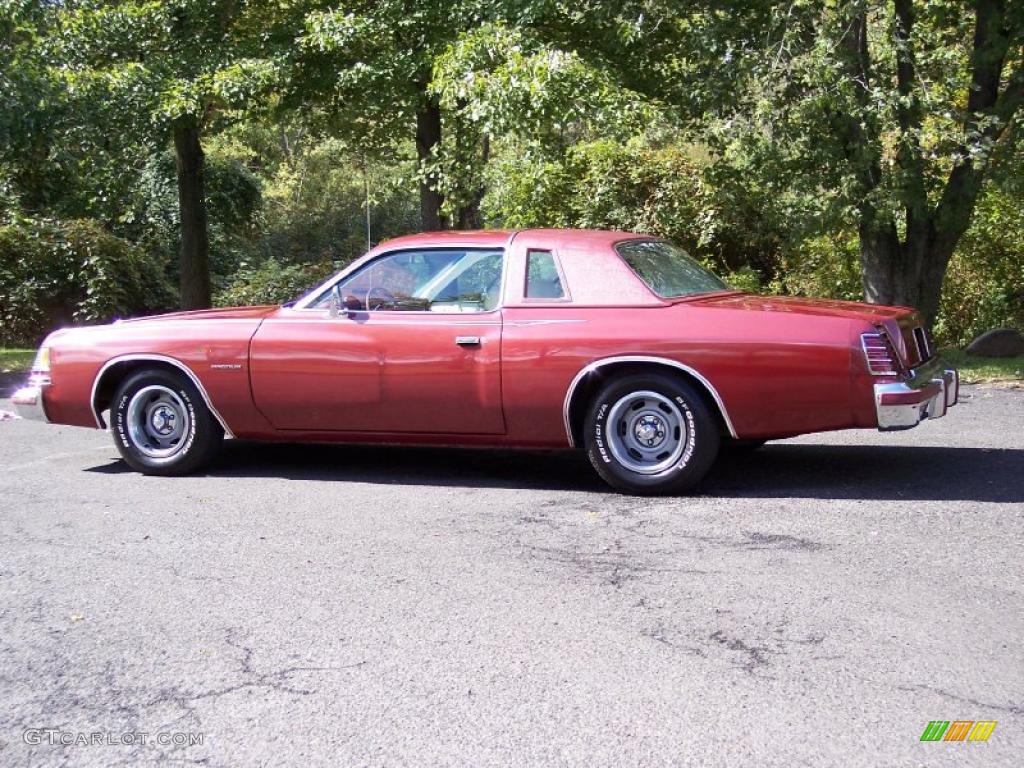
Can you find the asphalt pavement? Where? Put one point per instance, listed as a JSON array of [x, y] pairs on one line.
[[817, 604]]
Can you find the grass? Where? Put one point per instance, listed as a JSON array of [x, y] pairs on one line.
[[16, 359], [975, 370]]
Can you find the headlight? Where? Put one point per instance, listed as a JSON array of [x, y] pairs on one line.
[[42, 362]]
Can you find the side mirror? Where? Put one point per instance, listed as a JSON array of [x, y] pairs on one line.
[[342, 306], [335, 307]]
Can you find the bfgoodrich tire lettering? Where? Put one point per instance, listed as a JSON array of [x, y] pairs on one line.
[[650, 434], [161, 426]]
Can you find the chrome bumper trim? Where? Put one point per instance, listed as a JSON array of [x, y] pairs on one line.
[[901, 406], [28, 403]]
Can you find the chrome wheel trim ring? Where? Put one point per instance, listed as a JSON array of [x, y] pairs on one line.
[[159, 422], [646, 432]]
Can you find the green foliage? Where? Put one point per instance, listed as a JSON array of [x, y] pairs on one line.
[[233, 204], [54, 273], [657, 186], [314, 191], [824, 265], [316, 204], [749, 132], [270, 283], [12, 360], [985, 282]]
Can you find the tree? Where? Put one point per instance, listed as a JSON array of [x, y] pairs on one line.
[[187, 67], [374, 60], [505, 86], [889, 110], [934, 179]]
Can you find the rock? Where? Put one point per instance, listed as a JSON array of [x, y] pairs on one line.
[[999, 342]]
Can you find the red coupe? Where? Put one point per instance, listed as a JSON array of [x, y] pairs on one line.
[[618, 343]]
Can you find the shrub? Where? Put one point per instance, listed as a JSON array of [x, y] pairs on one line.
[[233, 208], [640, 186], [270, 283], [984, 285], [53, 273], [827, 266]]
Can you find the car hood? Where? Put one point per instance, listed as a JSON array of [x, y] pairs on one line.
[[228, 313], [853, 310]]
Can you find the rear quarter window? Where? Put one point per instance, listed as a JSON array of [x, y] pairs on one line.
[[543, 279], [667, 269]]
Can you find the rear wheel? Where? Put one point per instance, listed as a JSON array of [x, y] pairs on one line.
[[161, 425], [650, 434]]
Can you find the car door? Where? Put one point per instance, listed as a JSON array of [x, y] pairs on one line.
[[417, 349]]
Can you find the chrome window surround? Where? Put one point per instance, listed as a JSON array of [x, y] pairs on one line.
[[157, 359], [598, 364], [358, 264], [565, 298]]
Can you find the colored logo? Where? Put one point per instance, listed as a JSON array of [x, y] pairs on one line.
[[958, 730]]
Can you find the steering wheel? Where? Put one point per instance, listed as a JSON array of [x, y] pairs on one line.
[[377, 297]]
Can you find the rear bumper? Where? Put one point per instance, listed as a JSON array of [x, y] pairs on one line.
[[28, 402], [900, 405]]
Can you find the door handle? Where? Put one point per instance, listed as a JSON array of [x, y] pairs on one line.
[[467, 341]]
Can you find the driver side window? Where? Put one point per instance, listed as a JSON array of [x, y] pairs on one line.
[[435, 280]]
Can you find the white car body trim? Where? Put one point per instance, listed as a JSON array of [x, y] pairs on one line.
[[597, 364], [159, 359]]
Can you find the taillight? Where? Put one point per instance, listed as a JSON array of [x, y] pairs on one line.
[[880, 355], [925, 346]]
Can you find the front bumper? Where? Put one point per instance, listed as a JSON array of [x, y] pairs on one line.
[[28, 402], [902, 405]]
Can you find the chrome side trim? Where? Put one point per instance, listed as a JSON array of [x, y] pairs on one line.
[[159, 359], [597, 364], [529, 323]]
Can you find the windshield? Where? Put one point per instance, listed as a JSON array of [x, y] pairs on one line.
[[668, 270]]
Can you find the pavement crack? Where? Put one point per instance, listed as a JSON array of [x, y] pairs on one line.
[[757, 655], [1013, 709]]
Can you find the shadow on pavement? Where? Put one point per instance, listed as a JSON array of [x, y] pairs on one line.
[[871, 472], [776, 471]]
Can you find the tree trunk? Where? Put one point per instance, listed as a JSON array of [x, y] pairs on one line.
[[195, 243], [469, 214], [905, 273], [428, 136]]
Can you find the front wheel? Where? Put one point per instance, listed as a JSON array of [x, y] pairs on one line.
[[161, 425], [650, 434]]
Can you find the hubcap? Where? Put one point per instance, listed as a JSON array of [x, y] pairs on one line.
[[650, 430], [646, 432], [158, 421]]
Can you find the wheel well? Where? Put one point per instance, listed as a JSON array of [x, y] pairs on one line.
[[111, 378], [589, 385]]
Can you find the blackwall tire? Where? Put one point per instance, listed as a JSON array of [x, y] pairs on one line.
[[650, 434], [161, 426]]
